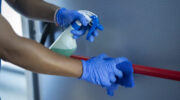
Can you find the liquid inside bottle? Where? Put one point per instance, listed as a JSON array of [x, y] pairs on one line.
[[65, 44], [65, 52]]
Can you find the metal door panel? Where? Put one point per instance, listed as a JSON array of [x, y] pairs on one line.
[[145, 31]]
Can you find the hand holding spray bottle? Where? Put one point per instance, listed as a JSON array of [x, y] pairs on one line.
[[65, 44]]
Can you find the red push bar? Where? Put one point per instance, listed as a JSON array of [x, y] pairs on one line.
[[149, 71]]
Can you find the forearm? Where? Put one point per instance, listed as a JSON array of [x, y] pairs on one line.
[[35, 9], [33, 56]]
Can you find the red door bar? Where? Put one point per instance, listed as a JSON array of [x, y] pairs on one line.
[[149, 71]]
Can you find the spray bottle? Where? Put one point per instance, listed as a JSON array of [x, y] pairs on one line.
[[65, 44]]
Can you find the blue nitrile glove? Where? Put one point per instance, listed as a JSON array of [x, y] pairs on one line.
[[101, 71], [127, 80], [92, 30], [111, 89], [65, 17]]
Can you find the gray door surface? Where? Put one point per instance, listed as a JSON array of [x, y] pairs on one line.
[[147, 32]]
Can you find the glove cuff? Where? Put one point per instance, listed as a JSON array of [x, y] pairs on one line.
[[58, 18], [55, 16], [84, 73]]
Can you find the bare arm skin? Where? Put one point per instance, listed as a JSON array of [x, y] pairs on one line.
[[33, 56], [35, 9], [29, 54]]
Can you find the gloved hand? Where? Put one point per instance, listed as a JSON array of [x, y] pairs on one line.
[[127, 80], [102, 71], [110, 90], [65, 17], [92, 30]]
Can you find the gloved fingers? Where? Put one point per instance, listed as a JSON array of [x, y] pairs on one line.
[[76, 37], [112, 78], [90, 33], [118, 73], [100, 27], [110, 92], [106, 83], [111, 89], [76, 32], [95, 33], [65, 25], [96, 23], [97, 78], [82, 19], [93, 29], [79, 32], [91, 38]]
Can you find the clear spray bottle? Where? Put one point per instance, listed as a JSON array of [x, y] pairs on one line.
[[65, 44]]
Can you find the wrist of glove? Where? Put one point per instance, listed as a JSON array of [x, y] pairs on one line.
[[103, 71], [64, 18]]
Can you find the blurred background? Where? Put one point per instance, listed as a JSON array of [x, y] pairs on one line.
[[145, 31]]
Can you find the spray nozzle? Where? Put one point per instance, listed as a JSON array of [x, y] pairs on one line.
[[92, 19]]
